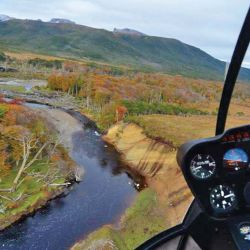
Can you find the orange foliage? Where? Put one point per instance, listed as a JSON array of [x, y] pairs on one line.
[[120, 113], [10, 117], [55, 157], [150, 87]]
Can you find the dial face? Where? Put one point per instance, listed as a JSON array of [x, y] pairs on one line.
[[244, 229], [222, 198], [235, 159], [202, 166]]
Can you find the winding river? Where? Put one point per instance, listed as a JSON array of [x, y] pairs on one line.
[[101, 198]]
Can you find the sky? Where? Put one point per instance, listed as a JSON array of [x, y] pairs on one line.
[[211, 25]]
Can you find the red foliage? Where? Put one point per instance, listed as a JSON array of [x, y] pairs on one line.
[[17, 101], [2, 100], [120, 113]]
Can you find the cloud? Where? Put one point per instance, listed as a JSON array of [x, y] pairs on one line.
[[211, 25]]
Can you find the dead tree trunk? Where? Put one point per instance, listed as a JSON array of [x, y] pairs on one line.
[[28, 145]]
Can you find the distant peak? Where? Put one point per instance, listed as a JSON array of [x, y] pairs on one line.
[[5, 18], [128, 32], [61, 20]]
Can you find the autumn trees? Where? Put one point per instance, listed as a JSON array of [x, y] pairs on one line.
[[34, 166], [120, 113], [18, 143], [24, 141], [70, 83], [99, 87], [110, 95]]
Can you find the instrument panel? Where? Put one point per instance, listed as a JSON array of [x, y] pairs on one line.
[[217, 171]]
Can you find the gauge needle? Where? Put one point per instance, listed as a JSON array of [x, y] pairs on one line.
[[229, 195], [197, 168], [221, 191]]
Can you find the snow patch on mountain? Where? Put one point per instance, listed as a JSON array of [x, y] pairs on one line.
[[61, 20], [4, 18]]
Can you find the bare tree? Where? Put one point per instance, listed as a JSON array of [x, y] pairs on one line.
[[29, 144]]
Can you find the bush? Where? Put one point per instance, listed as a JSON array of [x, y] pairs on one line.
[[107, 117], [2, 57], [45, 63], [240, 113], [3, 110], [140, 107]]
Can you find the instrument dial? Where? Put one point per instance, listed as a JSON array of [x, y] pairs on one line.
[[245, 229], [202, 166], [235, 159], [222, 198]]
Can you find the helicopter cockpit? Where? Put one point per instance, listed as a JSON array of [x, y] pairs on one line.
[[217, 170]]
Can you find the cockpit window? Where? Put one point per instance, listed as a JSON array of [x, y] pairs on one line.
[[91, 118], [239, 107]]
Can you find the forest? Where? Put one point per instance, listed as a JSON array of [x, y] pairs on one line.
[[111, 98], [111, 93]]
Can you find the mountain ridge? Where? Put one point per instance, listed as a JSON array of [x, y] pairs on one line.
[[150, 53], [61, 20], [5, 18], [128, 31]]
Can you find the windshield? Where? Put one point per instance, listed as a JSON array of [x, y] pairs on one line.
[[239, 107], [95, 100]]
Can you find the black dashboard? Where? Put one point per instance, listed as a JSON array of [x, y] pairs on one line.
[[217, 171]]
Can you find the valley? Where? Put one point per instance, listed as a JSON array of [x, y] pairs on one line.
[[105, 113], [147, 144]]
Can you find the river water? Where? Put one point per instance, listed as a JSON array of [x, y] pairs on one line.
[[103, 195], [27, 84]]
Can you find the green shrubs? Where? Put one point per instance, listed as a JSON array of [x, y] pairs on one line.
[[38, 62], [240, 113], [140, 107], [107, 116], [3, 110], [2, 57]]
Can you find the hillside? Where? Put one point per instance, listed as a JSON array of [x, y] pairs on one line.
[[82, 42]]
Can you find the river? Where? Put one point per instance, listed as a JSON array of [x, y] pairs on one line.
[[26, 84], [101, 198]]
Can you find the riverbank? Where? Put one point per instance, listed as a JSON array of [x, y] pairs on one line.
[[38, 202], [165, 202], [162, 205], [47, 173], [156, 160]]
